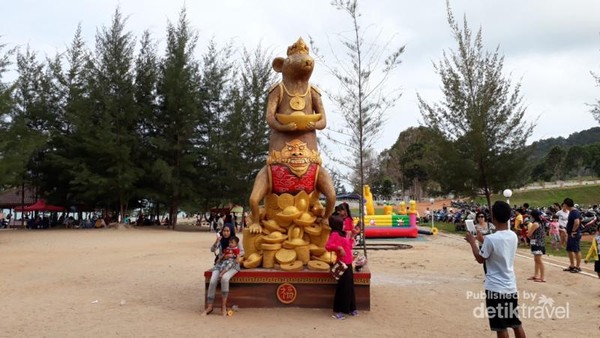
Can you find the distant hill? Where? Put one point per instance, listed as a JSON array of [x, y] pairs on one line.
[[540, 148]]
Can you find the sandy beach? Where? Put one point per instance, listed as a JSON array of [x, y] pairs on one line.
[[148, 282]]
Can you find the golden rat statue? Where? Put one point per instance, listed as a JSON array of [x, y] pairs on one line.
[[292, 223]]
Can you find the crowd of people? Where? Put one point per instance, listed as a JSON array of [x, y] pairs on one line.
[[496, 249], [90, 221], [216, 221], [562, 223], [458, 212]]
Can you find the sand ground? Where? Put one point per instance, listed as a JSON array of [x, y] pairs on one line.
[[148, 282]]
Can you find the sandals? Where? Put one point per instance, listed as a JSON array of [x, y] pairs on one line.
[[354, 313], [532, 278], [569, 269], [575, 270], [338, 315]]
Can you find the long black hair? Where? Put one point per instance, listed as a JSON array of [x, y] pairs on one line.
[[337, 225], [347, 208], [536, 215]]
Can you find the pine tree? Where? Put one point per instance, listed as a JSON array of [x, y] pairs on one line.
[[218, 127], [178, 134], [247, 130], [146, 98], [26, 134], [6, 109], [67, 148], [51, 177], [106, 170], [480, 123]]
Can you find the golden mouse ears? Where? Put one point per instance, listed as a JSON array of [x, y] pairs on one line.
[[299, 47]]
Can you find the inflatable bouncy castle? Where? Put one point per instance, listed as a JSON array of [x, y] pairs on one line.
[[403, 224]]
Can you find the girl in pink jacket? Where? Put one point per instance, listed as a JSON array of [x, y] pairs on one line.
[[344, 300]]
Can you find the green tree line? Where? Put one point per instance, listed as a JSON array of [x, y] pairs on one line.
[[412, 165], [120, 125]]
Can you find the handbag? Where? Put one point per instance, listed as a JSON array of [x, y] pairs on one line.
[[338, 269], [360, 262]]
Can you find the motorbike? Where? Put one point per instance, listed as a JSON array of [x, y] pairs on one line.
[[589, 222]]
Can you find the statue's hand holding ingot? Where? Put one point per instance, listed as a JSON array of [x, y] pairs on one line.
[[292, 126], [255, 228], [311, 126]]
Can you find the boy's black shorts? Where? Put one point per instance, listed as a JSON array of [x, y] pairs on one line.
[[597, 266], [503, 310]]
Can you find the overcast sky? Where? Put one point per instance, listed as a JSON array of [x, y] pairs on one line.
[[550, 46]]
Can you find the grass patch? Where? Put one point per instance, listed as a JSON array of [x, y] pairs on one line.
[[443, 226], [378, 211], [582, 195]]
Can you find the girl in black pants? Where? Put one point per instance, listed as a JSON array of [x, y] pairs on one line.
[[344, 300]]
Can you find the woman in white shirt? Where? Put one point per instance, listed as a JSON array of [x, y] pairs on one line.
[[563, 217]]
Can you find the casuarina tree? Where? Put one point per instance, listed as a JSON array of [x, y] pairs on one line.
[[479, 122]]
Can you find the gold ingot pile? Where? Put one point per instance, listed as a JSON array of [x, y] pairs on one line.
[[290, 238]]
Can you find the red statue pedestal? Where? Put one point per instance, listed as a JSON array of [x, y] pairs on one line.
[[269, 288]]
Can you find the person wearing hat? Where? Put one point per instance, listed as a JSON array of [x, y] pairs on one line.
[[220, 245], [344, 301]]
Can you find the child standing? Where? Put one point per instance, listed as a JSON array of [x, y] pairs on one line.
[[498, 252], [344, 300], [555, 232], [537, 236], [230, 254], [594, 252]]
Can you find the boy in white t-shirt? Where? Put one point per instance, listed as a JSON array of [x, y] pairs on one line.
[[498, 252]]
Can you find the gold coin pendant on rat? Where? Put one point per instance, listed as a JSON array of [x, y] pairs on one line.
[[297, 103]]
